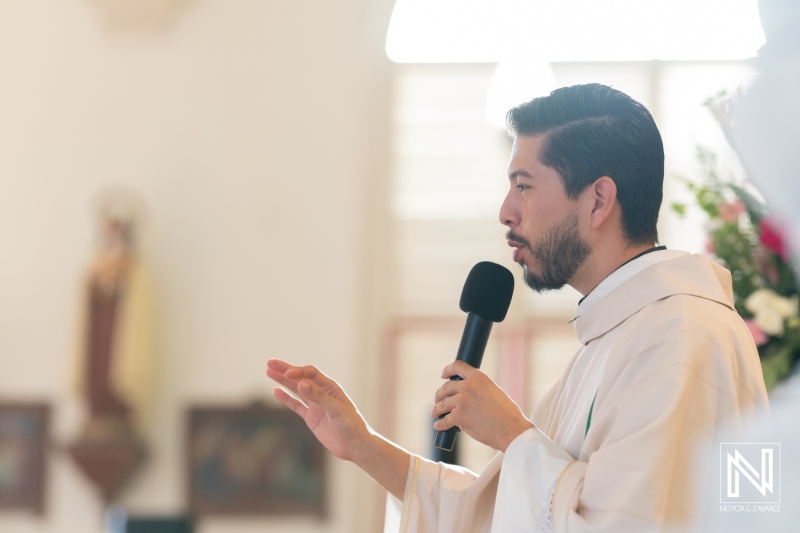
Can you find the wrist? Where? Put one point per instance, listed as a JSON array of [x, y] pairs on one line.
[[364, 446], [512, 435], [383, 460]]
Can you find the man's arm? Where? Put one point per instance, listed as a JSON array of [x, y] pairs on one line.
[[336, 422]]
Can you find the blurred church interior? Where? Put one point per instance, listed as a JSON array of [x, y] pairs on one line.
[[310, 180]]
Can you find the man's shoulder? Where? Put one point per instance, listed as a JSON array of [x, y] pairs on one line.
[[681, 331], [691, 274], [683, 288], [690, 314]]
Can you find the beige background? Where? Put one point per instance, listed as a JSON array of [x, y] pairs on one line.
[[263, 173]]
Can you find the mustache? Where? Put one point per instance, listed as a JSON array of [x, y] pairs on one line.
[[511, 236]]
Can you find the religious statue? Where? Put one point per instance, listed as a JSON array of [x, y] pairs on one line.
[[114, 362]]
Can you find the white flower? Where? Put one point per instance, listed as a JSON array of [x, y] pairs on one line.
[[786, 307], [770, 322], [759, 300], [770, 310]]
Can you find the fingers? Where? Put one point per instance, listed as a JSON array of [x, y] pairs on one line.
[[312, 374], [475, 382], [448, 391], [277, 369], [298, 380], [449, 388], [311, 393], [445, 399], [289, 401], [289, 375], [446, 405], [444, 423], [459, 368], [453, 395], [308, 393], [282, 380], [277, 365]]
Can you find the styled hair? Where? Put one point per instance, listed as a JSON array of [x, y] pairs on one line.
[[591, 131]]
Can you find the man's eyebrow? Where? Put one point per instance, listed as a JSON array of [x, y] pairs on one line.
[[520, 173]]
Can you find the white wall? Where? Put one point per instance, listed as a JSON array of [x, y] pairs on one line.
[[255, 132]]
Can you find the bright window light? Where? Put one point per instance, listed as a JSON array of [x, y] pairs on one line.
[[456, 31]]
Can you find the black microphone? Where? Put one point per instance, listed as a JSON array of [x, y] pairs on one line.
[[485, 298]]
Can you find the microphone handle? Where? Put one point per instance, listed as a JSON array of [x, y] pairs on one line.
[[470, 350]]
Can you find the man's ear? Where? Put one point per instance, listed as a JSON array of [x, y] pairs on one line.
[[603, 198]]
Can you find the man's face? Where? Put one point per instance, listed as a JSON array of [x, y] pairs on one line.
[[543, 223]]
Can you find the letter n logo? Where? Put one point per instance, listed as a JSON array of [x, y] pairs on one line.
[[750, 472]]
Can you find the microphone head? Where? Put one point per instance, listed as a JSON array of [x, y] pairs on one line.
[[488, 291]]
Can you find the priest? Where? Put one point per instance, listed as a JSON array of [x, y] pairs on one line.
[[665, 359]]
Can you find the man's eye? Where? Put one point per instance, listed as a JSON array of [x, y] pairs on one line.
[[521, 187]]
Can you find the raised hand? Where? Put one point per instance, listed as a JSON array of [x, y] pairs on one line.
[[327, 410], [338, 425], [479, 407]]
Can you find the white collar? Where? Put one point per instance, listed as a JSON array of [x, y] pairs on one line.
[[623, 274]]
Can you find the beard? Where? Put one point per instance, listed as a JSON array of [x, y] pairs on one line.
[[559, 254]]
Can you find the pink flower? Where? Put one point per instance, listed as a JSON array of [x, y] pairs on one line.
[[771, 236], [730, 211], [766, 264], [759, 336]]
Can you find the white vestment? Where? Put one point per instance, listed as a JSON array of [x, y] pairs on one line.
[[666, 361]]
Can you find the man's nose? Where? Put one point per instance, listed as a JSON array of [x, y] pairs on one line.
[[508, 215]]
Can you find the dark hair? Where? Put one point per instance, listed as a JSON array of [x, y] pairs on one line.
[[593, 131]]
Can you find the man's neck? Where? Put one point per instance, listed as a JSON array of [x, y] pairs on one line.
[[596, 269]]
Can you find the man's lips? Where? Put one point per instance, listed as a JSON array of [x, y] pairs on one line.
[[518, 248]]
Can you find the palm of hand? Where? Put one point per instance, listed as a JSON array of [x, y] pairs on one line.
[[334, 428]]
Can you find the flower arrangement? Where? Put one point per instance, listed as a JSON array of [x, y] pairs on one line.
[[747, 240]]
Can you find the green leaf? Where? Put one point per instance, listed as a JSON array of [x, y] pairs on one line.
[[679, 208], [777, 365]]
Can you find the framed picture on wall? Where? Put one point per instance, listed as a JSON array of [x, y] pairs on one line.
[[253, 460], [23, 444]]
